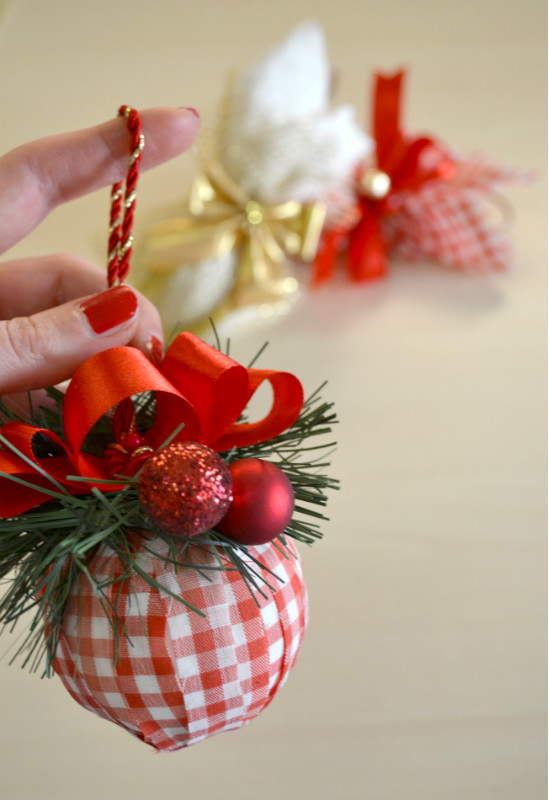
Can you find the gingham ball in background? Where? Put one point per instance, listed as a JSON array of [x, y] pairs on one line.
[[181, 677]]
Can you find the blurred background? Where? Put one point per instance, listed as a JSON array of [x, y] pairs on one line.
[[424, 670]]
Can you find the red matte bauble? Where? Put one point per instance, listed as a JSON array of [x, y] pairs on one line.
[[263, 502], [185, 488]]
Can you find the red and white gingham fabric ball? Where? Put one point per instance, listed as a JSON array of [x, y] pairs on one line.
[[182, 678]]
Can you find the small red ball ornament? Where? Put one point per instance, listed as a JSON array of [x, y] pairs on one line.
[[185, 488], [263, 502]]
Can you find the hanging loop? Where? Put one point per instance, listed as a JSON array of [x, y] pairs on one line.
[[123, 204]]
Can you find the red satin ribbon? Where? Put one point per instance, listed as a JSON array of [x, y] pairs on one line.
[[402, 158], [195, 385]]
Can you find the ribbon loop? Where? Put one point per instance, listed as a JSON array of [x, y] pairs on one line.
[[210, 381], [110, 377], [23, 436], [286, 407], [17, 497]]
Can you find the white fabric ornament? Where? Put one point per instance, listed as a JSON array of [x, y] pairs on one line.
[[278, 140]]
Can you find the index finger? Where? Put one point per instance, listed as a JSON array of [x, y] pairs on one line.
[[38, 176]]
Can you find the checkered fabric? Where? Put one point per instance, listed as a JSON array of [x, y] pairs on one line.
[[452, 221], [180, 677]]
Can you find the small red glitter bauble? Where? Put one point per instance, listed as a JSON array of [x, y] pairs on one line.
[[185, 488], [263, 502]]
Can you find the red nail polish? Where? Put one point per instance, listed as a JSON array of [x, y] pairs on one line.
[[110, 309], [156, 350], [192, 110]]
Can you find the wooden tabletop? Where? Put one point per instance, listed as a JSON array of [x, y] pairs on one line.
[[423, 672]]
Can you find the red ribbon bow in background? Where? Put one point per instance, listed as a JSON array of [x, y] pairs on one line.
[[195, 385], [418, 202], [403, 165]]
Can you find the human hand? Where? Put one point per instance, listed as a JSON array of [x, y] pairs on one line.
[[53, 312]]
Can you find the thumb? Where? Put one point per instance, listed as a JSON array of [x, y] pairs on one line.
[[46, 348]]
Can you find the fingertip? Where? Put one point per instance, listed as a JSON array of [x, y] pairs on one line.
[[148, 335], [155, 350], [168, 132], [191, 110]]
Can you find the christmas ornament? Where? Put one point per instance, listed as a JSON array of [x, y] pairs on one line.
[[111, 500], [419, 201], [263, 502], [185, 488], [275, 164]]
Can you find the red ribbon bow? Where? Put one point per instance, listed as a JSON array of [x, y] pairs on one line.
[[195, 385], [407, 162], [431, 207]]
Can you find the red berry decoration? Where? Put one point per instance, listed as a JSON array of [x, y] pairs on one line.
[[185, 488], [263, 502]]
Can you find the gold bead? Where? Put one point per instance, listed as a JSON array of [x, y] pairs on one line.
[[254, 212], [375, 184]]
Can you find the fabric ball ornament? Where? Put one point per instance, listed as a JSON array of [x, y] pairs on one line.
[[181, 678], [263, 502], [185, 488]]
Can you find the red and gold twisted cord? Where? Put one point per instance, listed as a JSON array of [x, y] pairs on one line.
[[123, 203]]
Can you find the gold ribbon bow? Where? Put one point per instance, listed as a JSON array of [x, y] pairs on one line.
[[222, 218]]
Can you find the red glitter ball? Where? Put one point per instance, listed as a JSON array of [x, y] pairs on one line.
[[185, 488]]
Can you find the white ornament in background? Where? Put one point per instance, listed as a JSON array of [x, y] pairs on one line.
[[279, 139]]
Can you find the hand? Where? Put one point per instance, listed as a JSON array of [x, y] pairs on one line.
[[53, 312]]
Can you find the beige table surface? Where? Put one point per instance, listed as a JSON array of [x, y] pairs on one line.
[[423, 673]]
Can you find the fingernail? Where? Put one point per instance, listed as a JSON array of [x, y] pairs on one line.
[[192, 110], [155, 349], [110, 309]]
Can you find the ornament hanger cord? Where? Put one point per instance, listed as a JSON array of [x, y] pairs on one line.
[[123, 204]]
